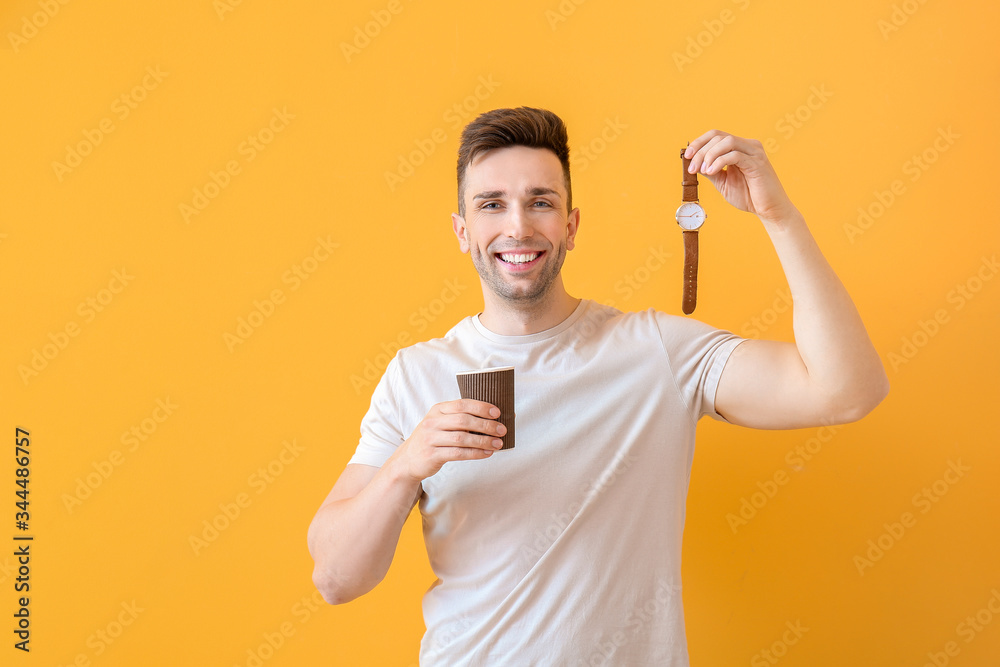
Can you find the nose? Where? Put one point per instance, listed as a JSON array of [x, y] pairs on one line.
[[518, 224]]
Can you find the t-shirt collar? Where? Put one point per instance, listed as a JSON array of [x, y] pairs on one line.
[[535, 337]]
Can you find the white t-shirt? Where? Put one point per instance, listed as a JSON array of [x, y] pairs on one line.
[[566, 549]]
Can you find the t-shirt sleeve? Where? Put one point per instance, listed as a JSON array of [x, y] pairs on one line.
[[380, 429], [697, 354]]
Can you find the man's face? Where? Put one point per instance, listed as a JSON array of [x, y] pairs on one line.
[[516, 226]]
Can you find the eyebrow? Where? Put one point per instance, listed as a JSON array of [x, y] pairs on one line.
[[499, 194]]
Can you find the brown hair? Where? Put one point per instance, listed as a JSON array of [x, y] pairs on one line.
[[523, 126]]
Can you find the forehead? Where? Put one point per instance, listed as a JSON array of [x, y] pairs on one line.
[[515, 169]]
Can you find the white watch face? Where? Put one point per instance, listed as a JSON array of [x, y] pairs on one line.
[[690, 215]]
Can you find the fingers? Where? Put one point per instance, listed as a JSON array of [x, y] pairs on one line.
[[457, 430], [458, 426], [467, 423], [469, 406], [463, 454], [714, 150]]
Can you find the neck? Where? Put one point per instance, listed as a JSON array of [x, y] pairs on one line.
[[513, 318]]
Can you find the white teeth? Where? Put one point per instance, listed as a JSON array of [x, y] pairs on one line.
[[518, 258]]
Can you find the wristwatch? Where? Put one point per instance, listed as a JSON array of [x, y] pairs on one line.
[[690, 216]]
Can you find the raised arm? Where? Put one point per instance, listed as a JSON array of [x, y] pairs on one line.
[[353, 536], [831, 373]]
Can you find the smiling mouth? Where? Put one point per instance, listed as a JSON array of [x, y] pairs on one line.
[[518, 258]]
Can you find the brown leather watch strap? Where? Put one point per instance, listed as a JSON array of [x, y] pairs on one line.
[[690, 296], [689, 184]]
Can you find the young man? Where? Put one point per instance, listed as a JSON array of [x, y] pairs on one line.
[[566, 549]]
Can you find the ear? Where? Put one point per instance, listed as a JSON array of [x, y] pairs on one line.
[[572, 225], [458, 225]]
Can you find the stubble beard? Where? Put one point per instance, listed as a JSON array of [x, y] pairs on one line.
[[520, 295]]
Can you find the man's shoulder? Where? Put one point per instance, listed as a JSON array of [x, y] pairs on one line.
[[631, 318], [650, 325]]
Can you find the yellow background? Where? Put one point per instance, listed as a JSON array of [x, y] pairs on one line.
[[847, 93]]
